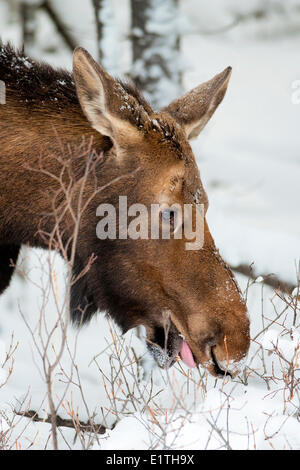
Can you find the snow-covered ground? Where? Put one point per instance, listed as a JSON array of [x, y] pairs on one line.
[[250, 164]]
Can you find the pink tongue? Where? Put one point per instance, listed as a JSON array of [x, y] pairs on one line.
[[186, 355]]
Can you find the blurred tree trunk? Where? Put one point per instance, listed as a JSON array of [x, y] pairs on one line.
[[98, 5], [28, 10], [155, 47], [107, 34]]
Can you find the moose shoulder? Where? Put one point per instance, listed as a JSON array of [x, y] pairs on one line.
[[143, 155]]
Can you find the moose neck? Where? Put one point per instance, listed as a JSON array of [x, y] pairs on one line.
[[36, 140]]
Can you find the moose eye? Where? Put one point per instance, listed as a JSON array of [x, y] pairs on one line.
[[171, 220], [168, 215]]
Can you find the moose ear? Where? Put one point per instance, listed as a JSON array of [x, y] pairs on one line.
[[92, 85], [104, 101], [193, 110]]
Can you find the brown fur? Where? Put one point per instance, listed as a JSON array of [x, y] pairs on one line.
[[133, 281]]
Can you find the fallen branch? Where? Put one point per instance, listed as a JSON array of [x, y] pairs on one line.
[[60, 422]]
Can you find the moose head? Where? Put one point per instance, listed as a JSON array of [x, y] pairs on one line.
[[187, 299]]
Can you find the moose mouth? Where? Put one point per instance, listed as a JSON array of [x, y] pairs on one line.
[[188, 358], [186, 355], [166, 351]]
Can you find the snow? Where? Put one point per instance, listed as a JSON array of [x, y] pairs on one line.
[[249, 427], [249, 161]]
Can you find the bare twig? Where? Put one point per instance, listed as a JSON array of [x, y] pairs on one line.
[[59, 24]]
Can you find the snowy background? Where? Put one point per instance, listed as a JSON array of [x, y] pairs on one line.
[[249, 158]]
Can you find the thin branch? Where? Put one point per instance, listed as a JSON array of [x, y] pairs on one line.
[[60, 25], [270, 280]]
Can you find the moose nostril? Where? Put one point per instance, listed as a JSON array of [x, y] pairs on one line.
[[217, 368], [159, 337]]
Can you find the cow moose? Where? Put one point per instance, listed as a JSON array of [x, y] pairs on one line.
[[136, 282]]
